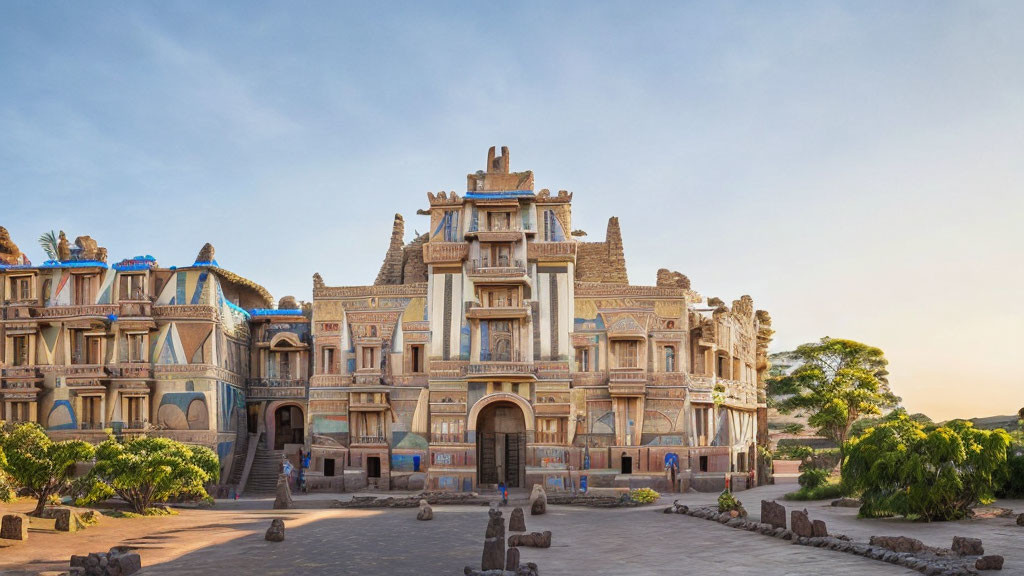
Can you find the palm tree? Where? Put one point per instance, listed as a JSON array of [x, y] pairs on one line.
[[49, 243]]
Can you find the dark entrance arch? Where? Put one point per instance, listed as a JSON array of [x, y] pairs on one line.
[[501, 445], [288, 426]]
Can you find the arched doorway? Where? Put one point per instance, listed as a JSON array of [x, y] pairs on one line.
[[289, 426], [501, 444]]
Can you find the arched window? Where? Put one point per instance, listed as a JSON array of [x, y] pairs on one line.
[[670, 359]]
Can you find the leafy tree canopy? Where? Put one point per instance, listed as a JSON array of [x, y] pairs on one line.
[[900, 469], [146, 470], [836, 382], [39, 465], [861, 426]]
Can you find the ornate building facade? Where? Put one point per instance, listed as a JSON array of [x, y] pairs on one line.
[[497, 347]]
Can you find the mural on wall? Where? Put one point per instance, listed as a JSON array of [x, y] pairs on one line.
[[61, 416], [330, 428], [405, 462], [183, 411], [230, 403]]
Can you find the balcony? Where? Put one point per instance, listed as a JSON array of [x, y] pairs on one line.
[[550, 437], [90, 425], [141, 371], [135, 308], [507, 365], [93, 310], [450, 438], [551, 251], [498, 312], [372, 402], [498, 233], [445, 252], [22, 373], [270, 388], [502, 269], [86, 371], [370, 440], [627, 382], [21, 310]]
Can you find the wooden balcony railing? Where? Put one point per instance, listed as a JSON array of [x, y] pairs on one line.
[[551, 251], [104, 310], [445, 252], [135, 308], [450, 438], [550, 437]]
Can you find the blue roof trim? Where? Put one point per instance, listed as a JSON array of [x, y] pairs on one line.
[[206, 263], [73, 264], [236, 307], [274, 312], [146, 262], [499, 195]]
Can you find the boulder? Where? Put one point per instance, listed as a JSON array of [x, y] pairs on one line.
[[819, 529], [531, 540], [800, 524], [965, 546], [773, 513], [512, 559], [276, 531], [898, 543], [124, 564], [64, 519], [847, 503], [494, 542], [538, 501], [517, 521], [284, 493], [426, 512], [989, 563], [14, 527], [980, 512], [1020, 520]]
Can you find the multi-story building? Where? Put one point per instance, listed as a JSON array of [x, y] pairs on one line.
[[497, 347]]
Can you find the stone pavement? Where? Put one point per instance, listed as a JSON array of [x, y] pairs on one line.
[[630, 541]]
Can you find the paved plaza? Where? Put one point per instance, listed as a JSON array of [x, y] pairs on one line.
[[391, 541]]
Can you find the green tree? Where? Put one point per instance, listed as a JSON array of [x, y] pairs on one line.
[[48, 241], [861, 426], [39, 465], [836, 382], [6, 492], [146, 470], [900, 469]]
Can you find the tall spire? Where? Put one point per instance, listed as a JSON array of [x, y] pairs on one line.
[[391, 269]]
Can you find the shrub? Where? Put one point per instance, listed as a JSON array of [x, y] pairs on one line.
[[644, 496], [727, 501], [793, 428], [1014, 485], [811, 478], [823, 492], [793, 452], [38, 465], [899, 469], [146, 470]]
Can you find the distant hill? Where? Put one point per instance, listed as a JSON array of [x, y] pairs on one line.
[[993, 422]]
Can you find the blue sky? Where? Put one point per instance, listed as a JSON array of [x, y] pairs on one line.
[[855, 167]]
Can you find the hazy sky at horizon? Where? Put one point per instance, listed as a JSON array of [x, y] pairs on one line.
[[856, 168]]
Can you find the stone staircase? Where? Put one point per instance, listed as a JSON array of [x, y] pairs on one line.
[[266, 467]]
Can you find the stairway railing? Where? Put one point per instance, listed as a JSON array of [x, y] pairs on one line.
[[254, 442]]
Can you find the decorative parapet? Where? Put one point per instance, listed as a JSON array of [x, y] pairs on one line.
[[415, 289], [552, 251], [487, 312], [545, 197], [22, 372], [185, 312], [330, 380], [445, 252], [447, 369], [603, 290], [132, 371], [98, 310], [443, 198], [589, 379], [500, 369]]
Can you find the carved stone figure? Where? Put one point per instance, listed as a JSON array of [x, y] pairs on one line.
[[206, 254], [287, 303], [9, 252], [63, 248]]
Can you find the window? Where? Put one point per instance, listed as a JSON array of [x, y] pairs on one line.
[[701, 425], [583, 360], [447, 429], [627, 353], [330, 366], [131, 287], [551, 430], [703, 463], [22, 288], [498, 345], [416, 359], [369, 359], [670, 359], [91, 417], [134, 412], [720, 367], [499, 221], [83, 289], [86, 349], [136, 347], [286, 365], [499, 297], [20, 346], [741, 462], [20, 411], [450, 225], [552, 228]]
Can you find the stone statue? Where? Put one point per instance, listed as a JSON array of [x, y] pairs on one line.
[[287, 303], [63, 248], [9, 252], [206, 254]]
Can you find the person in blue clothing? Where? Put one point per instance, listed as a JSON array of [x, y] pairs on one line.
[[503, 492]]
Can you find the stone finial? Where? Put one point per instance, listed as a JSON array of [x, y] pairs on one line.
[[577, 233], [391, 269], [87, 249], [206, 254], [715, 302], [63, 248], [499, 164], [318, 281], [287, 303], [763, 317], [616, 254], [669, 278], [9, 252]]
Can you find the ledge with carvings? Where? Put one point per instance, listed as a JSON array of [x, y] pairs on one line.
[[445, 252], [551, 251], [184, 312], [414, 289]]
